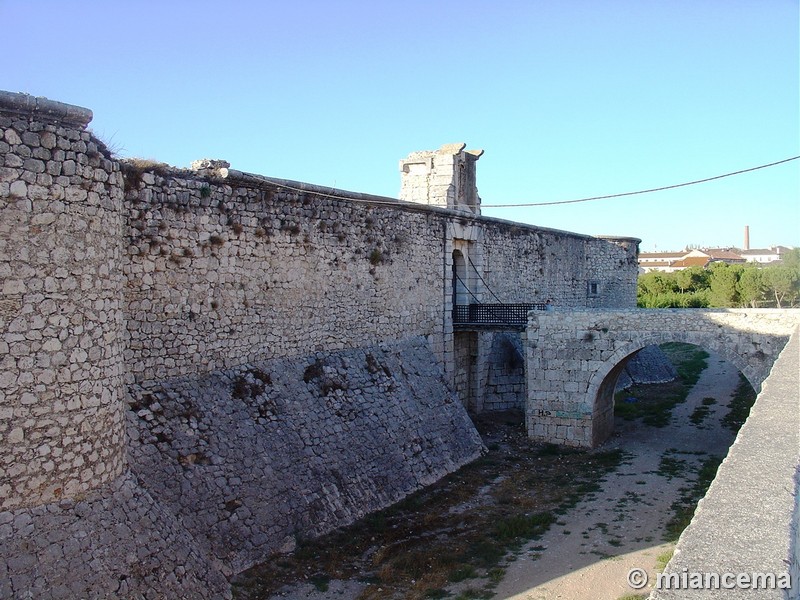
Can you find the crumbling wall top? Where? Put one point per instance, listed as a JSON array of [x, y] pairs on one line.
[[44, 109]]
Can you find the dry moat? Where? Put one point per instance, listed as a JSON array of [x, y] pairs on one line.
[[536, 521]]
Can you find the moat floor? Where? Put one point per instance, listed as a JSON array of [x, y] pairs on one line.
[[622, 526], [586, 553]]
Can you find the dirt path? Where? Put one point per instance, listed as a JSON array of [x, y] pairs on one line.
[[587, 555]]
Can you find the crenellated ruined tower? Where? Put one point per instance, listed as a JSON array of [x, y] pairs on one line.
[[443, 177]]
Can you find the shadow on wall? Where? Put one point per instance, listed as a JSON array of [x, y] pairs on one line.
[[505, 380]]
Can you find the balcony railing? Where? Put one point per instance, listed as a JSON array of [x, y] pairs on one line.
[[493, 314]]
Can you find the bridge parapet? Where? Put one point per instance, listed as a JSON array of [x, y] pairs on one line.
[[573, 358], [728, 534]]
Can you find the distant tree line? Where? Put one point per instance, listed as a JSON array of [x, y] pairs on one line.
[[724, 286]]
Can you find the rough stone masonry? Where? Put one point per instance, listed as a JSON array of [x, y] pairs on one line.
[[200, 367], [235, 465], [574, 358], [255, 459]]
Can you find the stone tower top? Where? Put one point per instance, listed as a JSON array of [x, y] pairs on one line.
[[443, 177]]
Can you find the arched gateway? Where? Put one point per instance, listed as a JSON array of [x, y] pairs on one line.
[[573, 358]]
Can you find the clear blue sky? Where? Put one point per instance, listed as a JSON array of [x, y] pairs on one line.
[[568, 98]]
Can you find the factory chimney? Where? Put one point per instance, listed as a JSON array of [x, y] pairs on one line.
[[746, 237]]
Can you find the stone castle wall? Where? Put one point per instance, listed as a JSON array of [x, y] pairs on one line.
[[61, 426], [226, 268], [524, 266], [116, 541], [255, 459], [141, 271], [223, 271], [131, 283], [444, 177], [504, 373], [648, 366]]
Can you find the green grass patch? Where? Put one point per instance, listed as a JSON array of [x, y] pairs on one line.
[[461, 573], [663, 559], [496, 575], [689, 360], [671, 467], [484, 553], [654, 403], [701, 412], [740, 405], [609, 459], [683, 508], [320, 582], [523, 527]]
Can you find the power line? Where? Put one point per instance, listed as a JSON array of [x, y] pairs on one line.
[[486, 285], [658, 189], [466, 287], [393, 202]]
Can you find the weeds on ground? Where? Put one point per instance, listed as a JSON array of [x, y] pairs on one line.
[[654, 403], [463, 528], [475, 594], [683, 508], [671, 467], [663, 559], [689, 360], [740, 405], [702, 411], [320, 582]]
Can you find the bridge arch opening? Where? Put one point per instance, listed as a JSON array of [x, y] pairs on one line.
[[603, 385]]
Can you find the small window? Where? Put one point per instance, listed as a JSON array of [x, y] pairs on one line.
[[593, 290]]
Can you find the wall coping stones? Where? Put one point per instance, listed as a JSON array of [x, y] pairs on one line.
[[618, 238], [261, 181], [748, 520], [44, 109], [209, 163]]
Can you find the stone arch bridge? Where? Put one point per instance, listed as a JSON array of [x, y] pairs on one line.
[[573, 358]]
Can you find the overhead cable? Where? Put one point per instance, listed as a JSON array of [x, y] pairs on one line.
[[486, 285], [392, 201], [658, 189]]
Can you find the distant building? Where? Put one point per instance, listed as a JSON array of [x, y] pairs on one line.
[[764, 255], [658, 261], [690, 261], [726, 255], [669, 262]]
